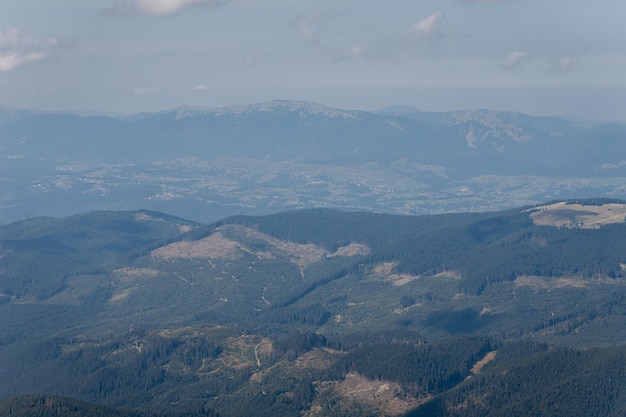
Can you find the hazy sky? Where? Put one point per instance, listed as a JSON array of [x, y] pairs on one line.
[[560, 57]]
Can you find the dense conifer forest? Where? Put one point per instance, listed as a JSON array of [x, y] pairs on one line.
[[315, 313]]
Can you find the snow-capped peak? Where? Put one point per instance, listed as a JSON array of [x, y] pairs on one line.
[[303, 108]]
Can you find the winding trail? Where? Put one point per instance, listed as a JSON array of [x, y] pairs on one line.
[[256, 355]]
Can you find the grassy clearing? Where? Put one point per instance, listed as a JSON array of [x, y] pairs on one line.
[[578, 215]]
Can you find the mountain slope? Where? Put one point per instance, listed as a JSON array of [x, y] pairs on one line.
[[551, 383], [297, 270], [53, 406], [311, 311]]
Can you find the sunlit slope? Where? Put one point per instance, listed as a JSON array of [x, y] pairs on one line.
[[320, 269]]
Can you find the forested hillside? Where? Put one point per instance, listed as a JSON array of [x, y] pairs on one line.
[[483, 248], [54, 406], [557, 382], [318, 313]]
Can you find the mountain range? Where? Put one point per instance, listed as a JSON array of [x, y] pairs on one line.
[[209, 163], [318, 312], [319, 262]]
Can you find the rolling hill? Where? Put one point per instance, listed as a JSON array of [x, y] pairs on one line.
[[317, 312]]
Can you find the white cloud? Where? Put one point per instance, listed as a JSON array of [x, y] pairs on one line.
[[429, 27], [514, 60], [17, 49], [165, 7], [11, 61], [159, 7], [199, 87], [561, 64]]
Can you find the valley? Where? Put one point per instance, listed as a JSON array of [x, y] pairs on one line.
[[209, 163]]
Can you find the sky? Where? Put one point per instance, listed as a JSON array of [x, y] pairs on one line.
[[542, 57]]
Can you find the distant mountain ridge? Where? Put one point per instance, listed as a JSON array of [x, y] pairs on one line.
[[293, 118], [281, 154], [302, 108]]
